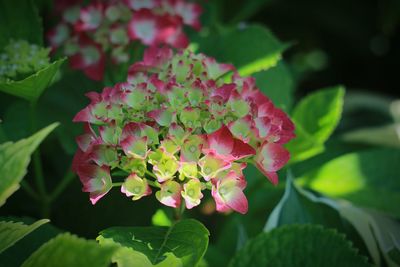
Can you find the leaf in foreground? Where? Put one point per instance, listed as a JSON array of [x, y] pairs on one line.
[[15, 158], [67, 250], [12, 232], [187, 240], [299, 245]]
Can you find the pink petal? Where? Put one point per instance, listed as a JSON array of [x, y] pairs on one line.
[[241, 150], [143, 26], [237, 201], [224, 92], [270, 158], [221, 141]]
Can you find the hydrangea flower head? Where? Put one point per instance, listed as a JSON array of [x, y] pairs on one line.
[[178, 126], [90, 33]]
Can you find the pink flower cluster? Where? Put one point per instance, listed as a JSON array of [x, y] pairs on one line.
[[178, 126], [87, 34]]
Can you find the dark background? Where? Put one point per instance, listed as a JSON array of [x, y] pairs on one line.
[[357, 41]]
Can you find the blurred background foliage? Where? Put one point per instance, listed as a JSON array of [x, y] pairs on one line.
[[293, 48]]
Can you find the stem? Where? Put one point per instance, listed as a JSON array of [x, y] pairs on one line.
[[179, 212], [38, 168], [117, 184], [154, 184], [151, 174], [65, 181], [28, 189], [37, 163]]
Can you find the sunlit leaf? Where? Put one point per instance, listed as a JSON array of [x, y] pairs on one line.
[[368, 178], [67, 250], [316, 117], [15, 158]]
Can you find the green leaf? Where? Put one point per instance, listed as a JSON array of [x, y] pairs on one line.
[[360, 177], [187, 240], [127, 257], [299, 206], [33, 86], [15, 158], [380, 233], [277, 83], [247, 9], [315, 117], [232, 46], [386, 135], [68, 250], [299, 245], [12, 232], [160, 218], [19, 19], [19, 252]]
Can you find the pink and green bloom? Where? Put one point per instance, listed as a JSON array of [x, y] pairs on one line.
[[179, 127], [90, 34]]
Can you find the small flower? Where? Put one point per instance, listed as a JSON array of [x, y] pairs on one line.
[[96, 180], [211, 165], [192, 193], [170, 194], [135, 187], [228, 193]]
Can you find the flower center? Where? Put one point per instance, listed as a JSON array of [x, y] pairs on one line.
[[190, 192], [136, 190], [192, 148]]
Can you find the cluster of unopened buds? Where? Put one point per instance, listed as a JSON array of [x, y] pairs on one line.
[[20, 59], [178, 126], [88, 34]]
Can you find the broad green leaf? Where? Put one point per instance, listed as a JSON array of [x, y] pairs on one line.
[[19, 19], [298, 206], [15, 158], [127, 257], [299, 245], [368, 178], [247, 9], [187, 240], [232, 46], [67, 250], [277, 83], [12, 232], [380, 233], [316, 117], [19, 252], [33, 86]]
